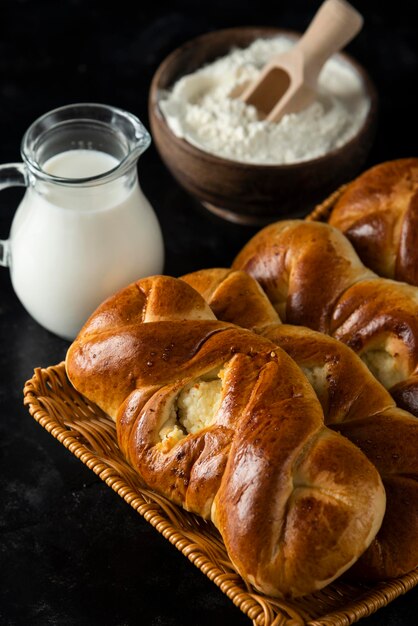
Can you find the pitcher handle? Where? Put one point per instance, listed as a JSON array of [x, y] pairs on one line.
[[11, 175]]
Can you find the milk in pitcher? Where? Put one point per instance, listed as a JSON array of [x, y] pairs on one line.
[[81, 244]]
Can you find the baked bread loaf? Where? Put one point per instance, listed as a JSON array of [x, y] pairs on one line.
[[354, 403], [314, 278], [378, 213], [223, 423]]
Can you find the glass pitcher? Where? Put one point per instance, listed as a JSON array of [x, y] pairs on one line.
[[84, 229]]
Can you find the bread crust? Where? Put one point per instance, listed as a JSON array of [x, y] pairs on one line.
[[313, 277], [295, 502], [354, 404], [378, 213]]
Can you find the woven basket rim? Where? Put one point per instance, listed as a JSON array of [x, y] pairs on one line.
[[53, 402], [323, 210]]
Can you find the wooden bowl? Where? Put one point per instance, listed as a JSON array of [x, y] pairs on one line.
[[241, 192]]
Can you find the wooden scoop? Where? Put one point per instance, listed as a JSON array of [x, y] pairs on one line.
[[288, 82]]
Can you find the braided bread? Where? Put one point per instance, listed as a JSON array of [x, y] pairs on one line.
[[223, 423], [378, 213], [354, 404], [314, 278]]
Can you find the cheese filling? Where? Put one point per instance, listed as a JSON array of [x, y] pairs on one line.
[[194, 409]]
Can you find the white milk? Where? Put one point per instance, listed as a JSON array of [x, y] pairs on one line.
[[80, 163], [73, 246]]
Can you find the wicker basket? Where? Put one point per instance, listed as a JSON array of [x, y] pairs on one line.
[[322, 211], [90, 435]]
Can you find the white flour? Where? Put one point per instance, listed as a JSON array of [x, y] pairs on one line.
[[198, 108]]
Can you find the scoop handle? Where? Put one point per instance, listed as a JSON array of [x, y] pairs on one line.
[[333, 26]]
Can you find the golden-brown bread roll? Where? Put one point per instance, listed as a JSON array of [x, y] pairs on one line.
[[223, 423], [234, 297], [314, 278], [378, 213], [111, 362], [354, 403]]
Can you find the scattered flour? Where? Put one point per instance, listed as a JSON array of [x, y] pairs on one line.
[[198, 108]]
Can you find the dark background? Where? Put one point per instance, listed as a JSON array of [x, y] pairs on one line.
[[71, 551]]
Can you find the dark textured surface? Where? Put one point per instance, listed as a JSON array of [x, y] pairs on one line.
[[71, 551]]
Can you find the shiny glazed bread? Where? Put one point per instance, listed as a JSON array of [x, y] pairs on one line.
[[223, 423], [354, 403], [314, 278], [378, 213]]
